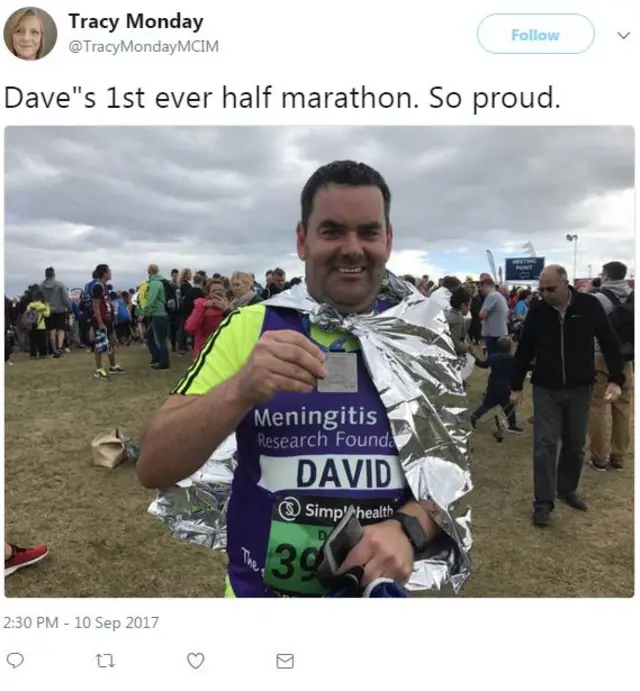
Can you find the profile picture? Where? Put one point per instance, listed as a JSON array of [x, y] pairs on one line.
[[30, 33]]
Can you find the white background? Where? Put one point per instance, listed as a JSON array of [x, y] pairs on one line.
[[431, 643]]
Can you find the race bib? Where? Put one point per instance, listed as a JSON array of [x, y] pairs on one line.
[[300, 526]]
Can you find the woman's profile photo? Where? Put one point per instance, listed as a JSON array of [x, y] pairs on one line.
[[30, 33]]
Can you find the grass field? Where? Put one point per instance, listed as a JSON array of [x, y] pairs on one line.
[[104, 543]]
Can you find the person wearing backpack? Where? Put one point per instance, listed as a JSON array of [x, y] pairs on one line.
[[57, 297], [160, 302], [35, 320], [102, 322], [609, 449]]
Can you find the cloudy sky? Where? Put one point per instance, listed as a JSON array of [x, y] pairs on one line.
[[222, 199]]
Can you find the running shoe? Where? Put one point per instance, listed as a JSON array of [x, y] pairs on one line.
[[23, 556]]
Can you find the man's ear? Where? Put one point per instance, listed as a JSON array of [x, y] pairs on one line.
[[389, 241], [301, 234]]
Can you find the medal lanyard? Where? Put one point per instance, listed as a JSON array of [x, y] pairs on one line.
[[338, 345]]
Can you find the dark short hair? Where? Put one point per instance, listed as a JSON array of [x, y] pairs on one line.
[[460, 296], [49, 272], [451, 282], [101, 270], [488, 281], [278, 272], [347, 173], [617, 271], [38, 296], [597, 282], [175, 271], [505, 344]]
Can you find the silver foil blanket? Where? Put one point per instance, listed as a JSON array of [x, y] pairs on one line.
[[412, 362]]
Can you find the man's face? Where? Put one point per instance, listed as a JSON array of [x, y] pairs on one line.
[[174, 276], [553, 290], [278, 280], [346, 246]]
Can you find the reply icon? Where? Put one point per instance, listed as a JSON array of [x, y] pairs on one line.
[[15, 659]]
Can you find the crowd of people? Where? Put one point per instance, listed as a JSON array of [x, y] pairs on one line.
[[169, 315], [48, 320], [575, 347]]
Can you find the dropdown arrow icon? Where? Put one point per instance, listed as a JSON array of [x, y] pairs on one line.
[[623, 36]]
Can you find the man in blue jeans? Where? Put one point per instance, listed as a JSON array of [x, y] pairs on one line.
[[156, 309], [494, 315]]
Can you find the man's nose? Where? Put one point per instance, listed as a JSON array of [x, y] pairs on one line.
[[352, 244]]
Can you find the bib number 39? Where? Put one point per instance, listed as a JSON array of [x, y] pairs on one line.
[[293, 555], [306, 562]]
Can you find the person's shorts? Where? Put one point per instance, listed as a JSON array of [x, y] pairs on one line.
[[55, 322], [108, 325]]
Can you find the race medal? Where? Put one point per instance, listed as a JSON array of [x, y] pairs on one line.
[[342, 373]]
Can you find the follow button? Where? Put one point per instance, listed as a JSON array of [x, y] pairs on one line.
[[553, 34]]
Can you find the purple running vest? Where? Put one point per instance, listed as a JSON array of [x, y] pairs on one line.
[[303, 459]]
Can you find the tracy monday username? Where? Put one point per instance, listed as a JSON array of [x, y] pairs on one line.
[[177, 22]]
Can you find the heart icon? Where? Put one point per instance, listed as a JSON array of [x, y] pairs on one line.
[[195, 660]]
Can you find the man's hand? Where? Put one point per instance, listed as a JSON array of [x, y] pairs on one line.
[[515, 397], [280, 361], [612, 392], [384, 552]]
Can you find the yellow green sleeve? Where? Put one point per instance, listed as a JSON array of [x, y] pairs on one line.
[[225, 351]]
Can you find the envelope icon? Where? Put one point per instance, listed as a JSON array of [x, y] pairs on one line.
[[284, 661]]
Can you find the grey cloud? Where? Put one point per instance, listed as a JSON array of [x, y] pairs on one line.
[[229, 197]]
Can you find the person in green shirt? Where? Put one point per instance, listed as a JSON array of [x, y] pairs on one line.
[[38, 334], [156, 309]]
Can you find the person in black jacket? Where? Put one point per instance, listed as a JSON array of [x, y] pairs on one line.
[[501, 366], [9, 323], [558, 337], [188, 296], [477, 301]]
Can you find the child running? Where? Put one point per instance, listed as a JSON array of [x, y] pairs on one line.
[[501, 366]]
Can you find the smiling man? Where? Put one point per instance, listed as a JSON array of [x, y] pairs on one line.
[[309, 444]]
